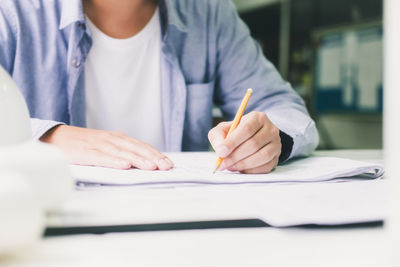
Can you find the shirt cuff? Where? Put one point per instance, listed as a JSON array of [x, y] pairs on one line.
[[287, 146], [40, 127]]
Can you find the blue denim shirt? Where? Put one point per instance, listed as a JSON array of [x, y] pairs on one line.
[[208, 57]]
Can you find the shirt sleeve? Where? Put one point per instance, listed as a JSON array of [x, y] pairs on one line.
[[7, 54], [40, 127], [7, 40], [242, 65]]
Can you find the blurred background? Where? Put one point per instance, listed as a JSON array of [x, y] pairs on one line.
[[331, 53]]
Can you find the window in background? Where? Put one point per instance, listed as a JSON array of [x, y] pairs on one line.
[[314, 25]]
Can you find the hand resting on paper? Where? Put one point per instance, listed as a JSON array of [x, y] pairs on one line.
[[106, 149], [254, 147]]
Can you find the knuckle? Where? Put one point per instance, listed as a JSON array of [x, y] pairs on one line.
[[221, 125], [260, 116], [253, 144], [264, 116], [211, 134], [110, 148], [117, 134], [247, 128], [105, 135], [263, 121], [230, 145], [150, 147], [275, 131], [253, 114], [118, 152], [159, 156], [214, 135], [87, 146], [136, 142], [135, 159], [265, 153]]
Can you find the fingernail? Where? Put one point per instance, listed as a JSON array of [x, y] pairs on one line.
[[149, 165], [124, 164], [222, 151], [163, 164], [171, 164]]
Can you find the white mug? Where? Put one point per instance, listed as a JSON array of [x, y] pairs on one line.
[[14, 115], [34, 177], [45, 167], [22, 217]]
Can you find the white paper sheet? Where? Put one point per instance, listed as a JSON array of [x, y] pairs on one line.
[[279, 205], [196, 168]]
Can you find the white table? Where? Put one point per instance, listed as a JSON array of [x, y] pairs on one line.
[[218, 247]]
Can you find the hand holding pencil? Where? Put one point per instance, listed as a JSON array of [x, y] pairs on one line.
[[235, 122], [248, 144]]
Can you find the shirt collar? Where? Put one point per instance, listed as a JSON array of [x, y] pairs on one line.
[[72, 11], [170, 15]]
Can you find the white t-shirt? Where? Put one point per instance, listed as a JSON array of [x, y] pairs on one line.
[[123, 84]]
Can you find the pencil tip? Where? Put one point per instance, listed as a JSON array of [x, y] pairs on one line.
[[215, 170]]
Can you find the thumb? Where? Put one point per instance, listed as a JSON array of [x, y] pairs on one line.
[[217, 134]]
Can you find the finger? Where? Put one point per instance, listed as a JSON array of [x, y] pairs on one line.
[[249, 147], [134, 159], [165, 164], [259, 158], [249, 126], [152, 158], [143, 150], [150, 153], [217, 134], [98, 158], [266, 168], [133, 145]]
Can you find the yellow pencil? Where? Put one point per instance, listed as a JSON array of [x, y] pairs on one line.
[[235, 122]]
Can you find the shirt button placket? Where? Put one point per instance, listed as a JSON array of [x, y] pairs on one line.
[[76, 63]]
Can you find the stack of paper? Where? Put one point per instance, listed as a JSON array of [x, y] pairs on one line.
[[276, 204], [196, 168], [287, 196]]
